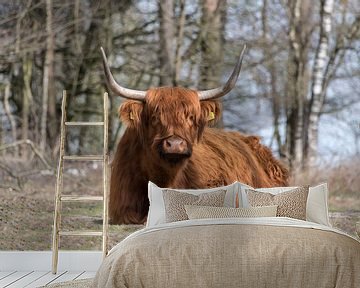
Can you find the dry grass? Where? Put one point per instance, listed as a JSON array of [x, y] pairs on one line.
[[343, 182], [344, 191], [27, 214]]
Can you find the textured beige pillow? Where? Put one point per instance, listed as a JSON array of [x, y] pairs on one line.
[[201, 212], [174, 202], [290, 204]]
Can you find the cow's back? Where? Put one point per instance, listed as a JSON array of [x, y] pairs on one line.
[[223, 157]]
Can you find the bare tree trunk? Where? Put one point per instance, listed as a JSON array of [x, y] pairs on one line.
[[179, 40], [166, 43], [271, 67], [9, 114], [1, 132], [109, 46], [211, 44], [294, 98], [76, 25], [317, 90], [16, 70], [27, 99], [53, 120], [212, 40], [48, 75]]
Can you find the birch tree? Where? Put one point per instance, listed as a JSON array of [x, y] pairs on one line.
[[306, 88], [317, 90]]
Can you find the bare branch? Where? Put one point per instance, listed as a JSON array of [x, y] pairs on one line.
[[33, 148]]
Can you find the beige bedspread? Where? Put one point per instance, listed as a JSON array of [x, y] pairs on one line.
[[233, 254]]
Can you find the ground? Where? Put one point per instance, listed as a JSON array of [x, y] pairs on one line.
[[26, 214]]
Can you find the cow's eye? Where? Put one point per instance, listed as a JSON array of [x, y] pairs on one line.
[[192, 118], [154, 120]]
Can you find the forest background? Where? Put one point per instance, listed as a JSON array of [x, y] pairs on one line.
[[299, 90]]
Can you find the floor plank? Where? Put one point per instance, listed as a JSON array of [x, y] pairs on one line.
[[46, 279], [68, 276], [5, 274], [28, 279], [12, 278], [34, 279], [87, 274]]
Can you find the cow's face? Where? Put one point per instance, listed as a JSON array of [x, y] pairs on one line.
[[170, 121]]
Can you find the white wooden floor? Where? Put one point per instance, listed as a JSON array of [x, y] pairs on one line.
[[32, 279], [33, 268]]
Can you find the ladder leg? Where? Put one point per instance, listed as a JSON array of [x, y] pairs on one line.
[[57, 219], [58, 190], [105, 177], [105, 212]]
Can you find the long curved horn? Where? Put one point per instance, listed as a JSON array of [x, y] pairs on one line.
[[223, 90], [116, 88]]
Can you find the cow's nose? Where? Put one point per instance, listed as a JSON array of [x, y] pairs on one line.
[[174, 145]]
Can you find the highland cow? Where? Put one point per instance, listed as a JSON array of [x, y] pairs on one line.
[[168, 140]]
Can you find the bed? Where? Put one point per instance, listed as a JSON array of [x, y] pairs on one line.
[[233, 252]]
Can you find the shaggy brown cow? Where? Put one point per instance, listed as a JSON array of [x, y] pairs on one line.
[[167, 141]]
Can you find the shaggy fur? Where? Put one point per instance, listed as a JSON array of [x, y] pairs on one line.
[[218, 157]]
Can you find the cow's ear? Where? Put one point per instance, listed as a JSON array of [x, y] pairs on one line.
[[130, 113], [210, 111]]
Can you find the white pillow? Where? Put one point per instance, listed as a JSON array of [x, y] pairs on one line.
[[317, 209], [157, 207]]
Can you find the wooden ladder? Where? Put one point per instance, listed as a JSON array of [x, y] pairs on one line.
[[59, 198]]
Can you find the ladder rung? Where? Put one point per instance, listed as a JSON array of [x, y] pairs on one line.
[[84, 123], [84, 157], [80, 233], [81, 198]]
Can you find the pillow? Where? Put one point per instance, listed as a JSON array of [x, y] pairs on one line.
[[157, 209], [290, 203], [201, 212], [175, 201], [317, 210]]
